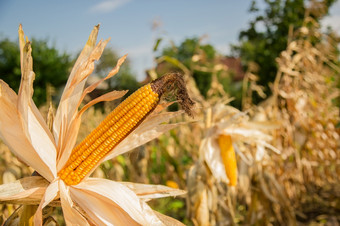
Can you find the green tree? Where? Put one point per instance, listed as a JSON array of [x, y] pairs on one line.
[[214, 74], [50, 67], [267, 34], [185, 52]]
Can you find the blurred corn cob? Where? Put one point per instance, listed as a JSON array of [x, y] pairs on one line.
[[228, 158]]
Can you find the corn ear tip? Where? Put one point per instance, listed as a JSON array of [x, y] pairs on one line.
[[174, 82]]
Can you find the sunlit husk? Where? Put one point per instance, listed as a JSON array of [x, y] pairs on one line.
[[29, 137], [26, 191]]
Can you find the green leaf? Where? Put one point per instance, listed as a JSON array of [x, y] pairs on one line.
[[158, 41]]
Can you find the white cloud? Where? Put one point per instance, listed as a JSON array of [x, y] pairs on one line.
[[108, 6]]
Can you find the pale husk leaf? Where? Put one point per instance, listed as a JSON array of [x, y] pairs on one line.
[[69, 95], [25, 102], [110, 96], [259, 153], [169, 221], [68, 116], [202, 211], [42, 143], [12, 134], [152, 191], [150, 129], [73, 91], [96, 196], [72, 132], [50, 194], [71, 215], [113, 72], [32, 123], [28, 191], [213, 159], [112, 215], [240, 133]]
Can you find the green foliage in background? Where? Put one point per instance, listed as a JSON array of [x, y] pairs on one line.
[[50, 66], [266, 35], [164, 165], [184, 53], [202, 62], [124, 80]]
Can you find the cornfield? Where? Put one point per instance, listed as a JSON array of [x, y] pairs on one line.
[[275, 163]]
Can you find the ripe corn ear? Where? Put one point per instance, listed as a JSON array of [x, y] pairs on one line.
[[120, 123], [115, 127], [228, 158]]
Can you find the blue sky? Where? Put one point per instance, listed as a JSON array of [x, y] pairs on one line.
[[67, 24]]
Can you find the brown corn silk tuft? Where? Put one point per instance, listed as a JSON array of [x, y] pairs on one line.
[[174, 82], [120, 123]]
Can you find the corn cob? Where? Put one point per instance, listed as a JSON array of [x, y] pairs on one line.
[[118, 125], [228, 158]]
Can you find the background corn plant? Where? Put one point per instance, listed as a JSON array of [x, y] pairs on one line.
[[299, 185]]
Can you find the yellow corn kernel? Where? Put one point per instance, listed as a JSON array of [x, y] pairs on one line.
[[171, 184], [115, 127], [228, 158]]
